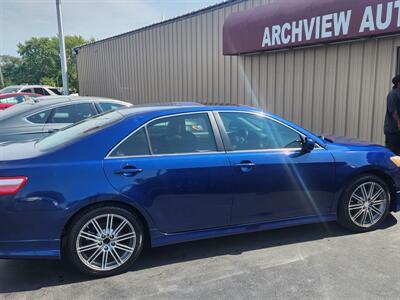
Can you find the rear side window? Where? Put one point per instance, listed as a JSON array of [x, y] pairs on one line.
[[190, 133], [39, 118], [70, 114], [135, 145], [28, 90], [108, 106]]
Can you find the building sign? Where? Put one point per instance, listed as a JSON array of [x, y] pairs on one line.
[[294, 23]]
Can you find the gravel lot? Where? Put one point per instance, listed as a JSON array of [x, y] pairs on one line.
[[314, 261]]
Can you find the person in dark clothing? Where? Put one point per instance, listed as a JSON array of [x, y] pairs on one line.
[[392, 119]]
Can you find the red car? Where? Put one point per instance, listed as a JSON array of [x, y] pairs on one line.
[[7, 100]]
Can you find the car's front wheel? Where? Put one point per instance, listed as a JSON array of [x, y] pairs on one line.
[[105, 241], [365, 204]]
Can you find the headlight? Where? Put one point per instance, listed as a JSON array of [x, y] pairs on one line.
[[396, 160]]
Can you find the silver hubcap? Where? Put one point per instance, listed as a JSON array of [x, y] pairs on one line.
[[368, 204], [106, 242]]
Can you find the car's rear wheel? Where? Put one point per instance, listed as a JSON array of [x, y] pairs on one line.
[[365, 204], [105, 241]]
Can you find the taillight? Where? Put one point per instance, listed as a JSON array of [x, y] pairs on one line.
[[11, 185]]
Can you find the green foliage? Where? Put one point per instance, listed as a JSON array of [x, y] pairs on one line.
[[39, 62], [11, 68]]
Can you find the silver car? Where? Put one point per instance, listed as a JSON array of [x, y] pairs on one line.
[[35, 119]]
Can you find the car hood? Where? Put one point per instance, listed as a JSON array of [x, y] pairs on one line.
[[351, 143]]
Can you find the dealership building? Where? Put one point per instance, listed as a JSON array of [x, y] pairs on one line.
[[324, 64]]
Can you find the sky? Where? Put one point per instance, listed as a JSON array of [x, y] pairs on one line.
[[22, 19]]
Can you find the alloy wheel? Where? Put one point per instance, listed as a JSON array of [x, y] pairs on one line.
[[368, 204], [106, 242]]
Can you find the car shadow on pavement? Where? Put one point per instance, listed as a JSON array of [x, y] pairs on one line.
[[30, 275]]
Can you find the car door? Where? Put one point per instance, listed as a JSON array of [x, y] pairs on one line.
[[65, 115], [272, 179], [182, 177]]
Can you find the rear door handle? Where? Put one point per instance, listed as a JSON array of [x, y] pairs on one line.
[[128, 171]]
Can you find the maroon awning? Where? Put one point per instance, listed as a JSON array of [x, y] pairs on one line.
[[293, 23]]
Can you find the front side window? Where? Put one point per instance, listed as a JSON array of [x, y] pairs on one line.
[[39, 91], [70, 114], [28, 90], [254, 132], [39, 118], [134, 145], [190, 133]]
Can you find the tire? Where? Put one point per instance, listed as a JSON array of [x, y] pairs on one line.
[[361, 211], [109, 239]]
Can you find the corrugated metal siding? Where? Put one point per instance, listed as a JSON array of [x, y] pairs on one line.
[[339, 89]]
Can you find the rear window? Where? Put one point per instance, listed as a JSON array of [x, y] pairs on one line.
[[55, 91], [12, 100], [77, 131], [108, 106]]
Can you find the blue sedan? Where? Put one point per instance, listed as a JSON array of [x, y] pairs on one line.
[[96, 192]]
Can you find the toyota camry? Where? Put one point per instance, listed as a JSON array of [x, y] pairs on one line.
[[94, 193]]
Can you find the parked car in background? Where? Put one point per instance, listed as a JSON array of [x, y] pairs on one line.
[[93, 193], [35, 119], [36, 89], [8, 100]]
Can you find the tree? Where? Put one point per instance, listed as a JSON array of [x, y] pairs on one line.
[[10, 68], [39, 62]]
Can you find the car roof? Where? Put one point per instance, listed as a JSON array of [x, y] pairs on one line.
[[28, 85], [49, 102], [19, 94], [175, 108]]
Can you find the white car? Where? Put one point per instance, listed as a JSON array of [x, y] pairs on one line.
[[36, 89]]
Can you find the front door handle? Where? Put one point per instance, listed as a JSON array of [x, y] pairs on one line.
[[128, 171], [246, 166]]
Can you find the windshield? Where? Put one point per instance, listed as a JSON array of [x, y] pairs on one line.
[[77, 131], [9, 90]]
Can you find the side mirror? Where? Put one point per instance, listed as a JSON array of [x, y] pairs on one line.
[[308, 145]]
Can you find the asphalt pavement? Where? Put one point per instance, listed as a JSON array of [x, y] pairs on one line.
[[320, 261]]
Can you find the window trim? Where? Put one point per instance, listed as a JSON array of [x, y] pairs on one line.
[[226, 141], [214, 128]]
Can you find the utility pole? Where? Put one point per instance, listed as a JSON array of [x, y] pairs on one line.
[[1, 78], [63, 57]]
